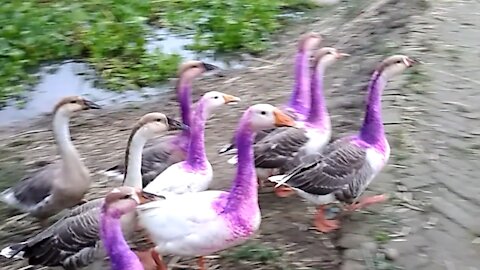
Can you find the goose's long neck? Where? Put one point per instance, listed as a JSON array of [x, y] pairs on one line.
[[133, 161], [243, 194], [121, 257], [62, 137], [196, 156], [184, 96], [318, 108], [300, 99], [372, 129]]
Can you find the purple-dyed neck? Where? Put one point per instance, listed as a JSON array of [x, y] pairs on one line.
[[243, 194], [318, 109], [196, 156], [121, 257], [184, 97], [372, 130], [300, 99]]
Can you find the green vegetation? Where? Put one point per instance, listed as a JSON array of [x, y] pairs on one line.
[[110, 35], [254, 253]]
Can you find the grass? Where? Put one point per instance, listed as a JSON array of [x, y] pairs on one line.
[[110, 36]]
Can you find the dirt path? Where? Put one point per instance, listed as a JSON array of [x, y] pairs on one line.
[[430, 122]]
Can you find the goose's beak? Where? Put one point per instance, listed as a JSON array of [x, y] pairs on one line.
[[176, 125], [89, 105], [282, 120], [229, 99]]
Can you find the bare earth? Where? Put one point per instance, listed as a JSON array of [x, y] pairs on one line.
[[432, 220]]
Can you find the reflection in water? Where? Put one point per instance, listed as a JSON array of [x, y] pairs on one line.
[[67, 81]]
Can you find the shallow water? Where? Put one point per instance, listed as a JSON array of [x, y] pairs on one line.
[[66, 80]]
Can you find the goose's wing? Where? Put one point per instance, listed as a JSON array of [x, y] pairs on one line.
[[33, 188], [342, 169], [278, 147], [71, 242]]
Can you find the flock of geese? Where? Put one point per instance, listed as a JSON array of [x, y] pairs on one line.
[[165, 184]]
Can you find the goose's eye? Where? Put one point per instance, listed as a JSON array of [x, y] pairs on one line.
[[263, 112], [126, 196], [73, 101], [215, 97], [399, 61], [159, 120]]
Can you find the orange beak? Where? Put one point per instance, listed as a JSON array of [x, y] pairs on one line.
[[229, 99], [282, 120]]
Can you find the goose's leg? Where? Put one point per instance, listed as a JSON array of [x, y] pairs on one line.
[[283, 191], [364, 202], [201, 263], [158, 260], [322, 224]]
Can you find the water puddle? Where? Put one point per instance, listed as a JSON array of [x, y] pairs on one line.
[[69, 78]]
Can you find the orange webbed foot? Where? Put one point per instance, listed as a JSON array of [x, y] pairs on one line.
[[364, 202], [325, 225], [283, 191]]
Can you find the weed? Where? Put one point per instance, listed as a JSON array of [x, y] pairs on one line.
[[381, 237], [254, 252]]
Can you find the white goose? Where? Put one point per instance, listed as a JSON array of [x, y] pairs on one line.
[[195, 173], [201, 223]]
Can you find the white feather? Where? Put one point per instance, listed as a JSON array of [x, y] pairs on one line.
[[115, 175], [8, 252], [177, 180], [233, 160]]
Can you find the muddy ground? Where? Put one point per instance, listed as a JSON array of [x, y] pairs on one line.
[[431, 221]]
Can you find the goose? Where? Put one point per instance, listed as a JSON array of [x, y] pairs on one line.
[[348, 165], [298, 106], [118, 202], [201, 223], [73, 241], [282, 145], [168, 150], [56, 185], [195, 173]]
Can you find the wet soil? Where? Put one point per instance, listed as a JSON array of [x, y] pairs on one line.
[[369, 31]]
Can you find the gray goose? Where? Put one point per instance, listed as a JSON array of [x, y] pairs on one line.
[[161, 153], [298, 106], [56, 185], [281, 146], [347, 166], [73, 242]]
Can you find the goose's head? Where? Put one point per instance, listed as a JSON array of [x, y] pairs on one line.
[[395, 65], [154, 124], [309, 41], [122, 200], [327, 56], [215, 99], [265, 116], [192, 69], [71, 104]]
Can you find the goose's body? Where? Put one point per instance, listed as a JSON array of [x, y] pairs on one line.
[[195, 173], [298, 106], [347, 166], [197, 224], [57, 185], [166, 151], [73, 242]]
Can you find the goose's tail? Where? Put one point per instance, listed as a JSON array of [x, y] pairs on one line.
[[116, 172], [14, 251]]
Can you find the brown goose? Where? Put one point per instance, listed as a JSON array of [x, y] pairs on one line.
[[348, 165], [298, 106], [57, 185], [168, 150], [73, 241]]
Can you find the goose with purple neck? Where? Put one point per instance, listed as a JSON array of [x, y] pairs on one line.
[[348, 165], [73, 241], [195, 173], [298, 106], [60, 184], [118, 202], [202, 223], [161, 153], [280, 147]]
